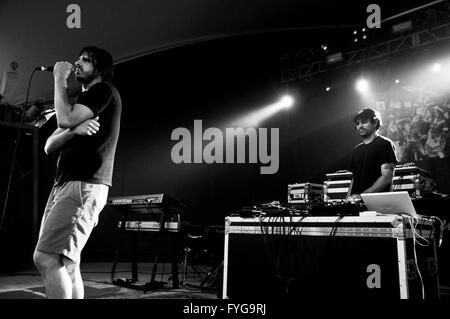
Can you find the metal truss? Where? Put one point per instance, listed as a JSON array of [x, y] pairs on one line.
[[377, 51]]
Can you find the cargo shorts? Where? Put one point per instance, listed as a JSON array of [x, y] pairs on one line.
[[71, 213]]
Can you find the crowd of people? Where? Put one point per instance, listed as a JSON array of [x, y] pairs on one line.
[[419, 130]]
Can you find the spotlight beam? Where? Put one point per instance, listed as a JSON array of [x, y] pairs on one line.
[[255, 118]]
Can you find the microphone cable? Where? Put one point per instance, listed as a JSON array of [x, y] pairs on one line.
[[19, 133]]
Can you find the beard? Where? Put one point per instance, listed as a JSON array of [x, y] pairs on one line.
[[85, 79], [364, 133]]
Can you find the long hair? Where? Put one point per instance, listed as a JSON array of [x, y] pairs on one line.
[[101, 60]]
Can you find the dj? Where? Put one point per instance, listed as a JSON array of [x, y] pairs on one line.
[[372, 161]]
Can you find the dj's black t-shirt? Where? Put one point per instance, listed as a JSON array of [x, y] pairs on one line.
[[366, 161], [91, 158]]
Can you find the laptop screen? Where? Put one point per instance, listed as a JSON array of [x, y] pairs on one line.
[[389, 203]]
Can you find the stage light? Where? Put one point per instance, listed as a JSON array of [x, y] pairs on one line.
[[402, 27], [324, 47], [362, 85], [363, 30], [355, 32], [397, 81], [254, 119], [327, 89], [286, 101], [334, 58], [364, 37], [355, 40], [436, 67]]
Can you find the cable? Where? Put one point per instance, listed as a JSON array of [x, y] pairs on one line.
[[15, 152], [441, 229], [334, 228], [274, 258], [413, 223]]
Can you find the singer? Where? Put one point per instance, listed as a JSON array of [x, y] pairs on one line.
[[86, 140]]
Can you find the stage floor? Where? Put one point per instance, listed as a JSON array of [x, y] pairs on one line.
[[27, 283]]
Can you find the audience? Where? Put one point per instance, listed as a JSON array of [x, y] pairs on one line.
[[419, 130]]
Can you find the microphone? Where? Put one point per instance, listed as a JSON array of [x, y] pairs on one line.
[[45, 68], [50, 68]]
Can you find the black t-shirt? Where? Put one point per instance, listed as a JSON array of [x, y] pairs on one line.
[[91, 158], [366, 161]]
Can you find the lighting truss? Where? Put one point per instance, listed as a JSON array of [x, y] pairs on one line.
[[381, 50]]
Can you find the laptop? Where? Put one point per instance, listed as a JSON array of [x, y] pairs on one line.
[[389, 203]]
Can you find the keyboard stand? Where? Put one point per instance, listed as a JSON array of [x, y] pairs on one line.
[[153, 284]]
